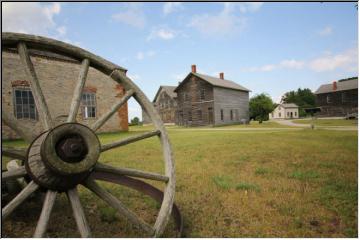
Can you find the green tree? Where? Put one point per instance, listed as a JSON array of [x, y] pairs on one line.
[[260, 107], [304, 98], [135, 121]]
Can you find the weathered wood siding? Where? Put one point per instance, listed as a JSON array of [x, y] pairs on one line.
[[166, 107], [229, 100], [193, 110], [340, 104]]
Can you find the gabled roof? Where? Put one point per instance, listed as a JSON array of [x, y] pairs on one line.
[[288, 105], [169, 91], [341, 85], [217, 82]]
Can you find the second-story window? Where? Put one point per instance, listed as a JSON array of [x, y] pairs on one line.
[[343, 97], [202, 94], [89, 105], [328, 99]]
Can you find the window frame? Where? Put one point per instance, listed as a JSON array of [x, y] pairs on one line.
[[86, 107], [22, 89]]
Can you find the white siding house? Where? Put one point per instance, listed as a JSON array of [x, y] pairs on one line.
[[285, 111]]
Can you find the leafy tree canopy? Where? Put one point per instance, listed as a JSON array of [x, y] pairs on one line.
[[260, 106]]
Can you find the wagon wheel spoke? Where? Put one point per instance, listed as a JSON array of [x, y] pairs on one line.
[[45, 214], [112, 110], [79, 215], [13, 174], [13, 123], [115, 203], [35, 87], [22, 196], [75, 102], [18, 153], [129, 140], [99, 167]]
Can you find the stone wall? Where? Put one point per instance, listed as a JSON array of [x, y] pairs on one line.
[[58, 79]]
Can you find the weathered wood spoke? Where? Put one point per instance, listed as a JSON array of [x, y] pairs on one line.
[[13, 174], [79, 214], [18, 153], [99, 167], [113, 109], [129, 140], [13, 123], [75, 102], [115, 203], [39, 98], [22, 196], [45, 214]]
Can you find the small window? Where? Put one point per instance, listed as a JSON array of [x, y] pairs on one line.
[[222, 115], [231, 115], [295, 114], [343, 97], [89, 105], [328, 99], [24, 104], [279, 114], [199, 113], [288, 114], [202, 94], [189, 116], [185, 96]]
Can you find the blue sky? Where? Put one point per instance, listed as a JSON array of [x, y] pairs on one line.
[[266, 47]]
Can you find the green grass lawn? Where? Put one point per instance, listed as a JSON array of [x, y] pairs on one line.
[[293, 183], [329, 122]]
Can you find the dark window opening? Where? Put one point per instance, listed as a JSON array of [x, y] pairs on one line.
[[222, 115], [231, 115], [202, 94]]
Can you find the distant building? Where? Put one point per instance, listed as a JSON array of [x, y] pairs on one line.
[[338, 98], [165, 104], [57, 75], [206, 100], [285, 111]]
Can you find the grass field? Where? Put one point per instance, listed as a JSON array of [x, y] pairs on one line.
[[267, 183], [329, 122]]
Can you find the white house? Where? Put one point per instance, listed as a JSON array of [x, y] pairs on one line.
[[285, 111]]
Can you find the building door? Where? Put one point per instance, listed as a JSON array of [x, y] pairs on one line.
[[211, 115], [291, 114]]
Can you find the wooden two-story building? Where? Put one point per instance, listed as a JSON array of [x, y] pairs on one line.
[[207, 100], [165, 103], [338, 98]]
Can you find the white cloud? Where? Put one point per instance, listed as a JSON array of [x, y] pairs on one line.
[[29, 17], [142, 55], [133, 15], [229, 20], [163, 33], [172, 7], [326, 31], [347, 60], [285, 64]]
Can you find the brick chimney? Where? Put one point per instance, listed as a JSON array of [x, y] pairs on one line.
[[334, 86], [221, 75], [193, 68]]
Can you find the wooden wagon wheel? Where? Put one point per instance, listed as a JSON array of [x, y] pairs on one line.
[[66, 155]]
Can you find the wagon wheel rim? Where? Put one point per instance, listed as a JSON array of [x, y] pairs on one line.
[[87, 175]]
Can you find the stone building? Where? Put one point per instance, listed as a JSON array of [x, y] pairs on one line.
[[285, 111], [165, 103], [206, 100], [338, 98], [57, 76]]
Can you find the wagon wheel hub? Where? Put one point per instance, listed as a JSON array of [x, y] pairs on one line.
[[62, 157]]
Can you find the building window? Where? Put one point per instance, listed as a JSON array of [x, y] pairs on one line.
[[189, 116], [328, 99], [199, 113], [222, 115], [24, 105], [279, 114], [343, 97], [231, 115], [288, 114], [295, 114], [89, 105], [202, 94]]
